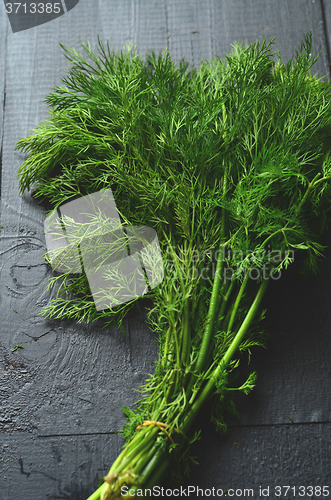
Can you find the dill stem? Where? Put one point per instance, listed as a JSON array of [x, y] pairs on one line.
[[127, 459], [310, 187], [129, 448], [153, 463], [246, 323], [237, 302], [144, 458], [96, 494], [137, 460], [226, 297], [157, 476], [204, 348], [171, 384], [159, 461], [186, 339], [166, 347], [211, 314], [224, 303], [165, 360], [226, 358]]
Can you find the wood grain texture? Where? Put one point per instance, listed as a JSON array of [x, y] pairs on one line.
[[294, 455], [64, 468], [200, 30], [295, 371], [58, 415], [326, 12], [55, 467], [3, 53]]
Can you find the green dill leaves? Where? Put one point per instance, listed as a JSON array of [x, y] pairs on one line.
[[230, 164]]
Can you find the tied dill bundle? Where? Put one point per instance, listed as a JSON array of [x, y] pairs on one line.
[[230, 164]]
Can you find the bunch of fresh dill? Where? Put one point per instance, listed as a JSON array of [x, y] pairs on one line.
[[230, 164]]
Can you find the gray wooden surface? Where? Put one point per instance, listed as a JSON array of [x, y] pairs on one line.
[[59, 416]]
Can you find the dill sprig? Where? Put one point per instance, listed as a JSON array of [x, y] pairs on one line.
[[230, 164]]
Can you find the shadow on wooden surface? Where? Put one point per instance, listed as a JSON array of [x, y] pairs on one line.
[[58, 415]]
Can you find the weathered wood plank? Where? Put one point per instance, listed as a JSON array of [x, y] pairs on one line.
[[294, 373], [200, 30], [326, 12], [294, 455], [68, 468], [56, 467], [3, 54]]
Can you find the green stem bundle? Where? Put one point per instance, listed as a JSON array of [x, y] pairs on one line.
[[144, 460]]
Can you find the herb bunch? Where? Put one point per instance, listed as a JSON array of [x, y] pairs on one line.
[[230, 164]]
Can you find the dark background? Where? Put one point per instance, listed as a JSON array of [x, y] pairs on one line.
[[58, 415]]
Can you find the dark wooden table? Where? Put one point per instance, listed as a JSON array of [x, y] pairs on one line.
[[58, 415]]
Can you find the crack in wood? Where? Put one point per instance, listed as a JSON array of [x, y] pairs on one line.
[[71, 434], [40, 336]]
